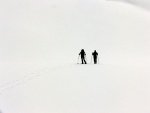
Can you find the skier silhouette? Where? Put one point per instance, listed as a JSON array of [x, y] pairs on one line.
[[82, 53], [95, 54]]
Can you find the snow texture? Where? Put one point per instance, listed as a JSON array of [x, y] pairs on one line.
[[39, 45]]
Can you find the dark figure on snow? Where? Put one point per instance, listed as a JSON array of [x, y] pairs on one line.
[[95, 54], [82, 53]]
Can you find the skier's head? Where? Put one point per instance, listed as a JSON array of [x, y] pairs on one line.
[[94, 50], [82, 49]]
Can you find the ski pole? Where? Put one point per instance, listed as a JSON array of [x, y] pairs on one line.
[[91, 58], [85, 59], [78, 59]]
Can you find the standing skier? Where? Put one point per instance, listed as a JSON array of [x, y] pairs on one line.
[[95, 54], [82, 53]]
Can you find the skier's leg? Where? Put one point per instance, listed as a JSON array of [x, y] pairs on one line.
[[82, 60], [94, 59]]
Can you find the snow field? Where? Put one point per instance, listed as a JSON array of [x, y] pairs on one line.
[[82, 89]]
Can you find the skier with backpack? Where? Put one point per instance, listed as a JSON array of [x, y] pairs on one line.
[[95, 55], [82, 53]]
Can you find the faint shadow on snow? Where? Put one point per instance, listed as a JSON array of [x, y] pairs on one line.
[[144, 4], [48, 70], [25, 79]]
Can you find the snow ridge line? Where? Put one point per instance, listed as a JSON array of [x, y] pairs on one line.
[[18, 82]]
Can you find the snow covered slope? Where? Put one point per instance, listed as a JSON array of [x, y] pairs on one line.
[[55, 31], [38, 37], [80, 89], [142, 3]]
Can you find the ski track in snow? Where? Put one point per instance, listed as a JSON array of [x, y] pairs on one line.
[[25, 79]]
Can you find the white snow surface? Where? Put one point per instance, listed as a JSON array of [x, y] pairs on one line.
[[39, 45], [145, 4], [79, 88]]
